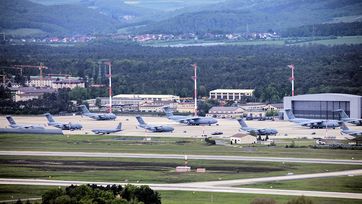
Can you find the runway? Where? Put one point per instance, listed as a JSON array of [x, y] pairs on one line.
[[187, 187], [180, 156]]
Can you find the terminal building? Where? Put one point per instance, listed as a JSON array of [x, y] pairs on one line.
[[230, 94], [322, 106]]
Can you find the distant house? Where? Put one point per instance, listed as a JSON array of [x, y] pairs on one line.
[[240, 138], [225, 112], [29, 93], [185, 107]]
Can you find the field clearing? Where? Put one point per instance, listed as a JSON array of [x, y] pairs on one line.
[[351, 184], [149, 170], [166, 145]]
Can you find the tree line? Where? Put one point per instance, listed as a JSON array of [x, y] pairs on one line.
[[139, 69]]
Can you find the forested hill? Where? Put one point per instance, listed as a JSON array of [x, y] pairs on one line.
[[55, 19], [138, 69], [257, 15]]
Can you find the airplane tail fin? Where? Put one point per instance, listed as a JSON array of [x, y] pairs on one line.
[[84, 109], [343, 126], [290, 114], [119, 127], [11, 120], [242, 122], [168, 111], [140, 120], [342, 114], [49, 117]]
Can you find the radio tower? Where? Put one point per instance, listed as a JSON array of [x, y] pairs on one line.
[[292, 77], [195, 80], [110, 84]]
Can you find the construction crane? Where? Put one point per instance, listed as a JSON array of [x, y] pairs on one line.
[[40, 67]]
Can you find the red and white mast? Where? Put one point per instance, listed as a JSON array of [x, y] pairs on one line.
[[195, 92], [110, 84], [292, 77]]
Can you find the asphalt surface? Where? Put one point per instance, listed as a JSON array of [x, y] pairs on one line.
[[187, 187], [179, 156]]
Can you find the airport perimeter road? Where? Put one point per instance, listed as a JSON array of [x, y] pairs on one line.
[[238, 182], [187, 187], [180, 156]]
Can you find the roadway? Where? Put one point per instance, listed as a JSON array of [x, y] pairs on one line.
[[181, 156], [188, 187]]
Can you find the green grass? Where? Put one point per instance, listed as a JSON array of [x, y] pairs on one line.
[[185, 197], [336, 184], [148, 170], [13, 192], [89, 143]]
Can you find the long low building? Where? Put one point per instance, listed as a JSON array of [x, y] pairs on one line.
[[149, 97], [322, 106], [230, 94]]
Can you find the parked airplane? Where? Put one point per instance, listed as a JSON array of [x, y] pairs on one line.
[[97, 116], [312, 123], [63, 126], [345, 118], [153, 128], [14, 125], [189, 120], [346, 130], [108, 131], [258, 131], [30, 131]]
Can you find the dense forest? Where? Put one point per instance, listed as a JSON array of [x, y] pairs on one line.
[[327, 29], [139, 69]]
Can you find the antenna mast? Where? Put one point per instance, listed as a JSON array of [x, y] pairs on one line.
[[195, 92], [292, 77]]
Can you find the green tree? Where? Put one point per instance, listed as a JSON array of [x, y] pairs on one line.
[[300, 200]]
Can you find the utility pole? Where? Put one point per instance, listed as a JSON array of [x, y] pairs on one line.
[[292, 77], [195, 88]]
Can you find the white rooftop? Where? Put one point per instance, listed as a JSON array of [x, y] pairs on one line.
[[232, 90]]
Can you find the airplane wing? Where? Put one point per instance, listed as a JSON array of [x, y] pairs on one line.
[[311, 123], [186, 120]]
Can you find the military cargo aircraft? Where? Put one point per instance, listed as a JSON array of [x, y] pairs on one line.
[[153, 128]]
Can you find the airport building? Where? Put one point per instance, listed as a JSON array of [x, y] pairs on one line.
[[322, 106], [149, 97], [230, 94]]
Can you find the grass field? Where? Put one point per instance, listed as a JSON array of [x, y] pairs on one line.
[[349, 184], [91, 143], [148, 170], [13, 192]]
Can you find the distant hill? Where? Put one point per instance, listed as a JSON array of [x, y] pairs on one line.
[[54, 19], [256, 15]]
